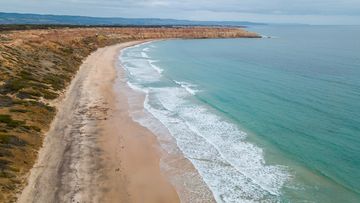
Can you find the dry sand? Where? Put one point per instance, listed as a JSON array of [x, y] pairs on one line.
[[94, 151]]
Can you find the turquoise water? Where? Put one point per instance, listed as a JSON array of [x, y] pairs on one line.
[[274, 120]]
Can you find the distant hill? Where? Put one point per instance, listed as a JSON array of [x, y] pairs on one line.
[[16, 18]]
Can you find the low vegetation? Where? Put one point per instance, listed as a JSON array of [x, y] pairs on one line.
[[36, 66]]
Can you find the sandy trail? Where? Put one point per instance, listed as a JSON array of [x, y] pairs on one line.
[[94, 152]]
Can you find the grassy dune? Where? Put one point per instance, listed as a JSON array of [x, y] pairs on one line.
[[36, 66]]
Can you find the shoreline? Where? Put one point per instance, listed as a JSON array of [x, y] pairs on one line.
[[180, 171], [94, 151], [40, 65]]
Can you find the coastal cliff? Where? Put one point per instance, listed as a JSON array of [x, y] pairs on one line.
[[36, 66]]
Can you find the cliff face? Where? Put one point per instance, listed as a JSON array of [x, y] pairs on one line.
[[35, 68]]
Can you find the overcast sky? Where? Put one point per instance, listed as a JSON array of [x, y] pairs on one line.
[[273, 11]]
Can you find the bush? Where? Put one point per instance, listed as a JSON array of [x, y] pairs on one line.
[[37, 129], [67, 50], [55, 81], [15, 85], [5, 118], [11, 140], [9, 121], [5, 101], [28, 128], [49, 95], [27, 76], [38, 86], [3, 165], [28, 94], [18, 110], [5, 153]]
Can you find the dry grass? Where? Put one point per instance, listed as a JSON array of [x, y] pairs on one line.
[[35, 68]]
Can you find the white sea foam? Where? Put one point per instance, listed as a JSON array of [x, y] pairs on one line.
[[144, 55], [136, 88], [133, 60], [155, 67], [233, 168], [146, 75], [188, 87]]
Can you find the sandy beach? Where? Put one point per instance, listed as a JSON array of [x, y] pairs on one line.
[[41, 87], [94, 152]]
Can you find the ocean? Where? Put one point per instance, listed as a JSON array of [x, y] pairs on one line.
[[275, 119]]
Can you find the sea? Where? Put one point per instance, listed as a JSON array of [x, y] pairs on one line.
[[274, 119]]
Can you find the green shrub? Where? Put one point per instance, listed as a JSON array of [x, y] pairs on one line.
[[9, 121], [19, 110], [11, 140], [15, 85], [28, 94], [37, 129], [27, 75], [5, 101], [38, 85], [6, 174], [24, 95], [49, 95], [55, 81], [50, 108], [67, 50], [5, 118], [28, 128], [5, 153], [15, 124], [3, 165]]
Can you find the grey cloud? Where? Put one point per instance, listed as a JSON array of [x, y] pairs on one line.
[[275, 10], [295, 7]]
